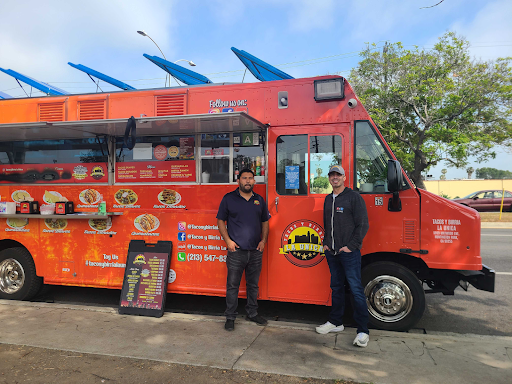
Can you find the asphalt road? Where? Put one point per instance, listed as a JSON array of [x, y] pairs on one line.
[[474, 311]]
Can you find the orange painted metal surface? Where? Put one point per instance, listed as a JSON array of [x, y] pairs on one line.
[[92, 253]]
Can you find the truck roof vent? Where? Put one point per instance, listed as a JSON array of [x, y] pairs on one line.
[[409, 231], [170, 105], [50, 112], [91, 109]]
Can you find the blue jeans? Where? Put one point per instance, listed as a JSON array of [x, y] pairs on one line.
[[238, 262], [347, 266]]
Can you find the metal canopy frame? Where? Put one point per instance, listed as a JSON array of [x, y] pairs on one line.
[[182, 74], [261, 70], [43, 87], [146, 126], [102, 76]]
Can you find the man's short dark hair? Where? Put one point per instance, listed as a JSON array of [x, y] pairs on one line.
[[245, 170]]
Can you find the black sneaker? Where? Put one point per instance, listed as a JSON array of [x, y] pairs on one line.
[[230, 325], [257, 319]]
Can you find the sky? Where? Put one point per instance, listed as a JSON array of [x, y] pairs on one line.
[[304, 38]]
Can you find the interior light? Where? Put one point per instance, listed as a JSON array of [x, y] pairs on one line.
[[330, 89]]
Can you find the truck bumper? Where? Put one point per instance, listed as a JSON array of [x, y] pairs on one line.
[[483, 280]]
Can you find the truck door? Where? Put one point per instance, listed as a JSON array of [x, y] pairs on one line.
[[299, 160]]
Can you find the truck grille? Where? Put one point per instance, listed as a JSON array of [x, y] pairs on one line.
[[409, 231], [167, 105], [50, 112], [91, 110]]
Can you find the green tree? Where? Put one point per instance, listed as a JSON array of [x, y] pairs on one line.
[[443, 176], [492, 173], [436, 105], [321, 182]]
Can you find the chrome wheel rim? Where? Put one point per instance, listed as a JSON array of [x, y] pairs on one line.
[[12, 276], [388, 298]]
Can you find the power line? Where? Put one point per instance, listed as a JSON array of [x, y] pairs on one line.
[[293, 64]]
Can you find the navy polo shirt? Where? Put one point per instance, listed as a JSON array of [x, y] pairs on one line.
[[244, 218]]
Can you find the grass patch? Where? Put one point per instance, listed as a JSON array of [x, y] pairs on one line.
[[494, 217]]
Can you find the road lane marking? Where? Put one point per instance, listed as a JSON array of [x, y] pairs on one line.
[[488, 234], [504, 273]]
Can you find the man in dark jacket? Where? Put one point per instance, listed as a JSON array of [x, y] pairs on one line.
[[346, 224]]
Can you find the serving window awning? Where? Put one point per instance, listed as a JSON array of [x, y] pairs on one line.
[[146, 126]]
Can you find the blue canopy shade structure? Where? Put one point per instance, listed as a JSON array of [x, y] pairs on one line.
[[260, 69], [182, 74], [43, 87], [101, 76], [5, 96]]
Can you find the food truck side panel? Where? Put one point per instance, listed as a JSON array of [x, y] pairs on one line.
[[93, 253]]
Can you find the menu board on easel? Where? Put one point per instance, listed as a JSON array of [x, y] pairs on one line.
[[145, 279]]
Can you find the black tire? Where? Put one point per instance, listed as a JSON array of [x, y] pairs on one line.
[[394, 295], [18, 279]]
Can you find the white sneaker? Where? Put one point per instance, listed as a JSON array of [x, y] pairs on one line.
[[329, 327], [361, 340]]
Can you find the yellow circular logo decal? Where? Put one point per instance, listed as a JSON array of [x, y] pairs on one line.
[[302, 243], [174, 151]]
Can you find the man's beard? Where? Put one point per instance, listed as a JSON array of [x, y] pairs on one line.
[[246, 188]]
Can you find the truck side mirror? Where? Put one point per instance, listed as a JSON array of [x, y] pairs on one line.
[[395, 176], [395, 184]]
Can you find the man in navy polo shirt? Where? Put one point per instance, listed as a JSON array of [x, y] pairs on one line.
[[247, 215]]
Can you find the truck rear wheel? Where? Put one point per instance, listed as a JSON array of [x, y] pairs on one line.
[[18, 279], [394, 295]]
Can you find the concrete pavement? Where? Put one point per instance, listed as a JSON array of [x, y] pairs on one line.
[[282, 348]]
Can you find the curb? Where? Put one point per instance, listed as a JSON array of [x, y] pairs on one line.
[[273, 324], [498, 225]]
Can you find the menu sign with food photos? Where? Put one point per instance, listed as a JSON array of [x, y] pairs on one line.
[[145, 279], [161, 171], [54, 173]]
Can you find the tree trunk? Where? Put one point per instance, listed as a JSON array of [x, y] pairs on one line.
[[417, 178]]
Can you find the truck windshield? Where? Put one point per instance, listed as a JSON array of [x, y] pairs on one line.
[[371, 160]]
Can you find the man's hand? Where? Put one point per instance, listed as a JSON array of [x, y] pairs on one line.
[[326, 248], [261, 246], [345, 249], [232, 246]]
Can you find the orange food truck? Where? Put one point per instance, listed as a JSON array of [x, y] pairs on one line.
[[189, 144]]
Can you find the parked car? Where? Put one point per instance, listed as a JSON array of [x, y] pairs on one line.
[[489, 200]]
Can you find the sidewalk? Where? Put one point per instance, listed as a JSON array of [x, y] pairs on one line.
[[280, 348]]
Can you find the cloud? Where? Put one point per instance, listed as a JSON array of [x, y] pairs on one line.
[[490, 31], [39, 38], [307, 15]]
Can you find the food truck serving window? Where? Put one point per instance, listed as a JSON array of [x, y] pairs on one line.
[[224, 155], [156, 159], [54, 161]]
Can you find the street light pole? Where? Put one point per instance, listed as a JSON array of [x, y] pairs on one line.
[[146, 35], [191, 63]]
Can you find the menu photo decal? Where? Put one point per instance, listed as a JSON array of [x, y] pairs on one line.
[[52, 197], [89, 198], [56, 226], [169, 198], [302, 243], [146, 224], [21, 195], [126, 198], [17, 225], [100, 227]]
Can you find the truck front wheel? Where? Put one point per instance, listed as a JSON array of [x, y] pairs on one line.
[[18, 279], [394, 295]]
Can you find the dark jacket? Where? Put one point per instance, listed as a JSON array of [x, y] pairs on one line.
[[345, 220]]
